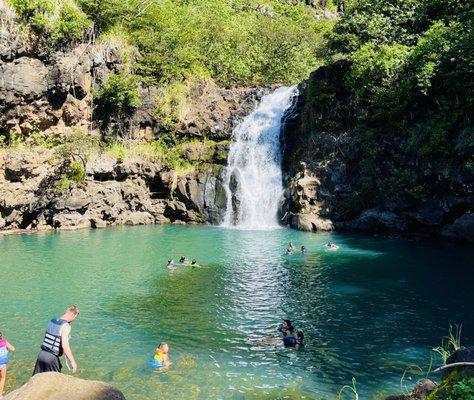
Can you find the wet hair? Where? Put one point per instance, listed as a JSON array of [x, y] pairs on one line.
[[300, 335], [290, 326], [169, 261], [74, 309], [193, 262]]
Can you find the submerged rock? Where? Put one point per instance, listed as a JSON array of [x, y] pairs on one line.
[[56, 386]]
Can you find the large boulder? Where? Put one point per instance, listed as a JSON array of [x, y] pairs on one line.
[[23, 79], [311, 222], [374, 220], [462, 228], [56, 386]]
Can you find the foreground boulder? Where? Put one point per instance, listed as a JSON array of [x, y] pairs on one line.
[[56, 386], [419, 392]]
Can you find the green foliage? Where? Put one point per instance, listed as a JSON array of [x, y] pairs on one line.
[[63, 184], [463, 390], [39, 139], [56, 22], [77, 147], [119, 94], [400, 79], [171, 104], [450, 343], [233, 42], [76, 172]]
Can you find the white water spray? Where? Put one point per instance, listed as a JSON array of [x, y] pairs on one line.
[[252, 178]]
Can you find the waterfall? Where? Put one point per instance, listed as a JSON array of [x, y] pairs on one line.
[[252, 178]]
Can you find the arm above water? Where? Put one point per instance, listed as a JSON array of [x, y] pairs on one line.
[[10, 347], [65, 332]]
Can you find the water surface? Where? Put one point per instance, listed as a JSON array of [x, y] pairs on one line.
[[369, 310]]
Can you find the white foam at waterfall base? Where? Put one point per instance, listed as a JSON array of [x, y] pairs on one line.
[[254, 165]]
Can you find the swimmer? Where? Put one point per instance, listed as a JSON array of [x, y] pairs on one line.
[[288, 339], [290, 249], [161, 357], [194, 264], [303, 249], [331, 246], [294, 341], [299, 340], [286, 328], [171, 264], [183, 260]]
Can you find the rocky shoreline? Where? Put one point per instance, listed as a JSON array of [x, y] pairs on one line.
[[132, 192]]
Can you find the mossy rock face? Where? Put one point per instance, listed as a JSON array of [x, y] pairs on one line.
[[205, 152]]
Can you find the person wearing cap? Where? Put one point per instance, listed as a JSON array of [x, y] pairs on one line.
[[56, 343]]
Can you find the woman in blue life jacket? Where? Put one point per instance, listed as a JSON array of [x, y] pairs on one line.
[[294, 341]]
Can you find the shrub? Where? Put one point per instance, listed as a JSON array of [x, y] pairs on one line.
[[76, 172], [58, 22], [119, 94], [463, 390]]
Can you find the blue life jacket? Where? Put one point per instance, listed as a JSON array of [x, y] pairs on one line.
[[52, 337], [289, 341]]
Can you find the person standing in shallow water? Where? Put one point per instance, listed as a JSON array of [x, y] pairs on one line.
[[5, 347], [56, 343]]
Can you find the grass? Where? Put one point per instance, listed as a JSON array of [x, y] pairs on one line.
[[172, 156], [450, 343], [352, 389]]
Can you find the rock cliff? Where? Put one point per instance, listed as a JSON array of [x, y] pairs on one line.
[[48, 96], [129, 192], [322, 171]]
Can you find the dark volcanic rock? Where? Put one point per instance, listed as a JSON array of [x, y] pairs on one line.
[[333, 186]]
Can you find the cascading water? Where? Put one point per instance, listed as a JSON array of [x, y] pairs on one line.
[[252, 178]]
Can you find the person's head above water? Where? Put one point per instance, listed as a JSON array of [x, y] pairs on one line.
[[193, 262], [300, 335], [287, 325], [163, 348], [303, 248], [71, 313]]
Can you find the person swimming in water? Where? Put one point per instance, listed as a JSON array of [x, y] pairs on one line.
[[331, 246], [183, 260], [171, 264], [294, 341], [290, 249], [288, 337], [285, 328], [161, 357], [303, 249]]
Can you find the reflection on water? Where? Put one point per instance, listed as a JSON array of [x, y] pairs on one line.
[[367, 310]]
